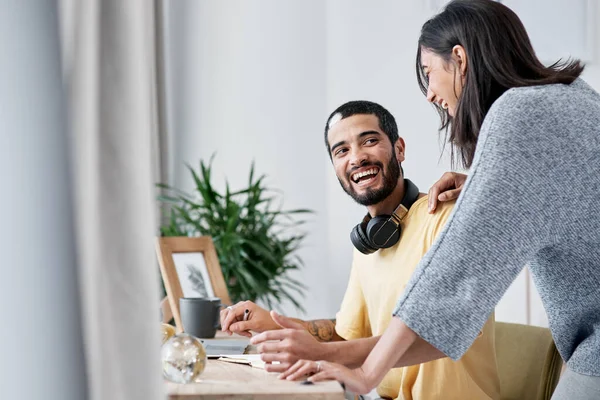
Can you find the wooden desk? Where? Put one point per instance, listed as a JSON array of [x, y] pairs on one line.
[[221, 380]]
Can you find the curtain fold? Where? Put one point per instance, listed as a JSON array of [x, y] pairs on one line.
[[163, 141], [109, 67]]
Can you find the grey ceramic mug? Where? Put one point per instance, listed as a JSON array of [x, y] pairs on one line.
[[200, 316]]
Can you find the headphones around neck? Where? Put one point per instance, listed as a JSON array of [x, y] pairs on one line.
[[383, 231]]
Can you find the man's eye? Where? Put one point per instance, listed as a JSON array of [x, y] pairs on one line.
[[371, 141], [340, 152]]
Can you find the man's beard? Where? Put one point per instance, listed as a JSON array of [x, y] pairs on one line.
[[374, 196]]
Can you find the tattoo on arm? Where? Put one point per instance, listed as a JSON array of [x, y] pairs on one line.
[[323, 330]]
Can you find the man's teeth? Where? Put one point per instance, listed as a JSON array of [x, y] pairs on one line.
[[359, 175]]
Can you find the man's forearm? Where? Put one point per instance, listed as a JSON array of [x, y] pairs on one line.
[[353, 353], [322, 329], [350, 353]]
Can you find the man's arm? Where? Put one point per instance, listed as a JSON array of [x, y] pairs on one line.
[[294, 342], [322, 329], [259, 320], [294, 345]]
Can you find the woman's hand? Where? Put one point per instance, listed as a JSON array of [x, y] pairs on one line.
[[353, 380], [447, 188], [389, 351]]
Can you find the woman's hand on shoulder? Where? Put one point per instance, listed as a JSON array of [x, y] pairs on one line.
[[447, 188]]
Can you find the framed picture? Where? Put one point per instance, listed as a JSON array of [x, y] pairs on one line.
[[190, 268]]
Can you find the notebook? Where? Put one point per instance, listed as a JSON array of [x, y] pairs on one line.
[[252, 360], [216, 348]]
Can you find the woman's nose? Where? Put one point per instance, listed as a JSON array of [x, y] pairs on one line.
[[430, 96]]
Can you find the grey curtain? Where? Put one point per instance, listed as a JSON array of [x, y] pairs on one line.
[[109, 53]]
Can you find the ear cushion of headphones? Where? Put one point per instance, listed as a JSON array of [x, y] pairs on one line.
[[360, 240], [381, 233]]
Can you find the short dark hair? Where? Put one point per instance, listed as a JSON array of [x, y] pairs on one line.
[[387, 122], [499, 57]]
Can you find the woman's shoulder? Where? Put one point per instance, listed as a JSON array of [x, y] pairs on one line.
[[522, 100], [537, 107]]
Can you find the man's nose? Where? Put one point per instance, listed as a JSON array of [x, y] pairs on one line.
[[358, 158]]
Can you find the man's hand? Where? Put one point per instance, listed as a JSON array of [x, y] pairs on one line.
[[294, 343], [447, 188], [259, 320]]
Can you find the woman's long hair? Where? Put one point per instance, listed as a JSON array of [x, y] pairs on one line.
[[499, 57]]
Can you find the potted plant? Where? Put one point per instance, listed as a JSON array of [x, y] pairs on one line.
[[256, 241]]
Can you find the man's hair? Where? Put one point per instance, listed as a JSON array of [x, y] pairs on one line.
[[387, 123], [499, 57]]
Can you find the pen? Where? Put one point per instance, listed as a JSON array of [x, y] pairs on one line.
[[246, 312]]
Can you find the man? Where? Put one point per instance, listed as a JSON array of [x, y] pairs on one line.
[[366, 152]]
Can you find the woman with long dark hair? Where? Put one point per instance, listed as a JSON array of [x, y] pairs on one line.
[[530, 136]]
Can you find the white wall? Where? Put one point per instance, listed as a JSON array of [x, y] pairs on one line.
[[249, 83], [258, 80]]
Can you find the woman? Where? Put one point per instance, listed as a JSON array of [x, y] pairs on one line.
[[530, 136]]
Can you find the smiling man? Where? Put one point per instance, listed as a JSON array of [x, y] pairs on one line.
[[362, 141]]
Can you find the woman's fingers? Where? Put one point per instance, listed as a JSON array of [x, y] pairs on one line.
[[449, 195], [299, 370], [291, 370], [448, 187]]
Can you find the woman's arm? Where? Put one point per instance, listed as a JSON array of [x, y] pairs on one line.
[[399, 346]]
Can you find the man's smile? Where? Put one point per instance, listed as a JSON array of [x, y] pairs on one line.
[[365, 176]]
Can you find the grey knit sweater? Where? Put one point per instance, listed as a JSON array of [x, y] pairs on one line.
[[532, 198]]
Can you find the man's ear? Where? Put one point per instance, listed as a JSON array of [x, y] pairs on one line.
[[399, 149]]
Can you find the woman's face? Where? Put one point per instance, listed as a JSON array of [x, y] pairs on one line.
[[446, 79]]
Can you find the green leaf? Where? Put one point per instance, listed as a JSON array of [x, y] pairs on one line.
[[255, 238]]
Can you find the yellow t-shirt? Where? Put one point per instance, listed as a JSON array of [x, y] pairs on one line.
[[376, 282]]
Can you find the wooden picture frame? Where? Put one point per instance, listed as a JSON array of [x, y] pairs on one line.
[[199, 256]]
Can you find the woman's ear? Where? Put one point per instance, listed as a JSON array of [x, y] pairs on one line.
[[460, 57]]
